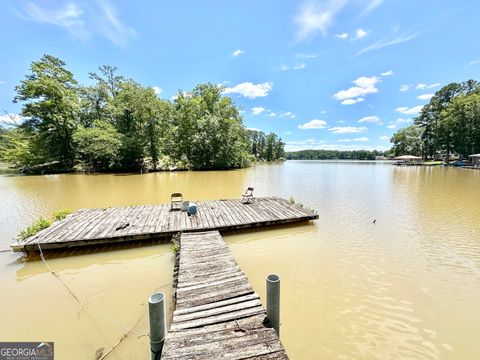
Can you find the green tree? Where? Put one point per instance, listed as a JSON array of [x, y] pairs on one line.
[[435, 135], [461, 120], [98, 146], [407, 141], [208, 130], [51, 108]]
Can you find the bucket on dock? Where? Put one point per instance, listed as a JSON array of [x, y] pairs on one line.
[[185, 205], [192, 208]]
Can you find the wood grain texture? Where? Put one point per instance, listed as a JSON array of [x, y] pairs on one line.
[[115, 225], [217, 314]]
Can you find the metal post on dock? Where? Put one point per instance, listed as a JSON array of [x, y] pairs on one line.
[[273, 301], [158, 325]]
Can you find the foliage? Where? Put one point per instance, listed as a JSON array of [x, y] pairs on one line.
[[294, 202], [266, 147], [449, 123], [31, 230], [61, 214], [333, 155], [98, 146], [43, 223], [407, 141], [22, 148], [117, 124], [208, 130], [51, 106]]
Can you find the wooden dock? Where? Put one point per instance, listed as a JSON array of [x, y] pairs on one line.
[[217, 313], [88, 227]]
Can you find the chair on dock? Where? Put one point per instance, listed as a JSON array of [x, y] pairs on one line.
[[176, 200], [248, 198]]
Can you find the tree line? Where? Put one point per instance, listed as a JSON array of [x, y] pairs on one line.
[[266, 147], [334, 155], [448, 124], [116, 124]]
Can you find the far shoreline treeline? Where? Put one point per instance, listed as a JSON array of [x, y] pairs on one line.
[[336, 155], [117, 125]]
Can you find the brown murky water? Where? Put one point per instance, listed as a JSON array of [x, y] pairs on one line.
[[407, 287]]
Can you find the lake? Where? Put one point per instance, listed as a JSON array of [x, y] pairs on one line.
[[406, 287]]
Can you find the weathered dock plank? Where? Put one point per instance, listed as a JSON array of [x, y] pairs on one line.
[[217, 314], [115, 225]]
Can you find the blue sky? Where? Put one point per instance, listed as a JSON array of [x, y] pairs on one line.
[[326, 74]]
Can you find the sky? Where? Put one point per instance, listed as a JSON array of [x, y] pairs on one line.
[[322, 74]]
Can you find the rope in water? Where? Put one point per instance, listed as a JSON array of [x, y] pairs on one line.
[[83, 306]]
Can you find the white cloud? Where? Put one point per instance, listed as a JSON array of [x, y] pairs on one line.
[[157, 90], [384, 138], [474, 62], [257, 110], [425, 96], [317, 17], [101, 18], [109, 25], [253, 129], [287, 133], [423, 86], [306, 56], [363, 85], [387, 73], [288, 114], [392, 126], [237, 52], [313, 124], [403, 121], [347, 129], [69, 16], [369, 119], [409, 111], [388, 41], [299, 66], [405, 87], [250, 90], [2, 82], [360, 34], [11, 119], [352, 101], [372, 5], [360, 139], [342, 36], [272, 114]]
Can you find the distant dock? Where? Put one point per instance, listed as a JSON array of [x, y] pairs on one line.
[[89, 227], [217, 314]]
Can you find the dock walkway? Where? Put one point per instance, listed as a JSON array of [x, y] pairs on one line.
[[88, 227], [217, 313]]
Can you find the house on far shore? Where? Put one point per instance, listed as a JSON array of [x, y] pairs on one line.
[[407, 160], [441, 156], [475, 159]]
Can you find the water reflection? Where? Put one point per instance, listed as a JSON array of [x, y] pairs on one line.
[[406, 287]]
